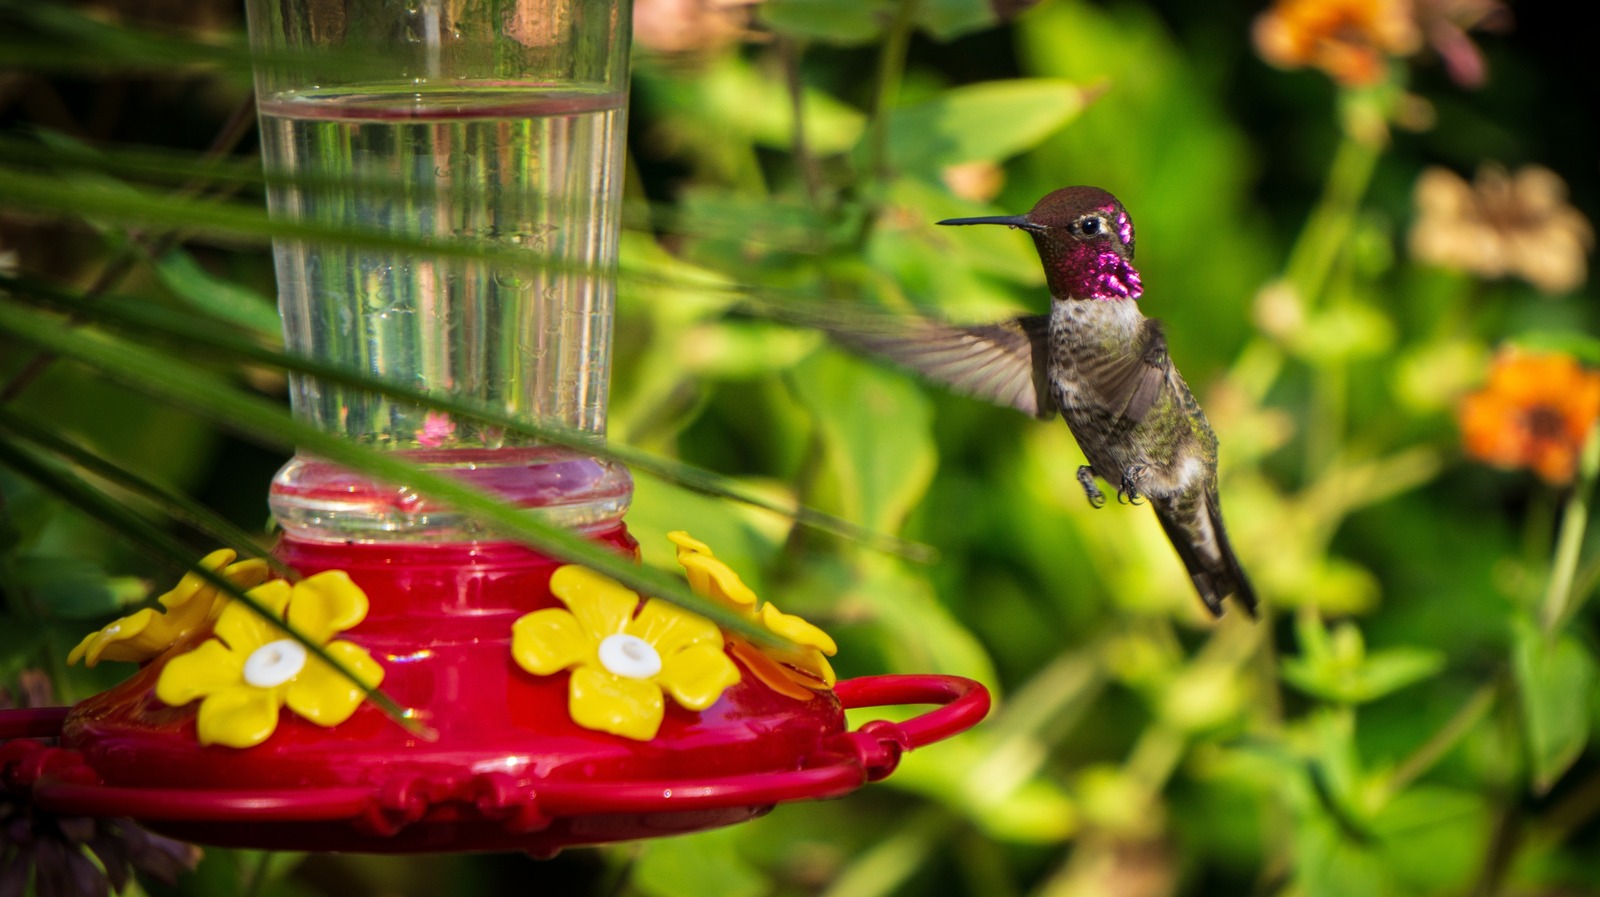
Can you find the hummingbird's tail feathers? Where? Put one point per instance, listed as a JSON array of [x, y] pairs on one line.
[[1202, 543]]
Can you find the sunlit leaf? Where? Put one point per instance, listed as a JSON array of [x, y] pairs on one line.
[[1434, 839], [991, 121], [875, 427], [72, 587], [1567, 342], [222, 299], [1343, 671], [949, 19], [1555, 674], [845, 22], [701, 865]]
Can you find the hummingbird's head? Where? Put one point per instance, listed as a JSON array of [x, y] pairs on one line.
[[1085, 240]]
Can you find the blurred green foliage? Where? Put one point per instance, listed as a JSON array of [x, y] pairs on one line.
[[1411, 717]]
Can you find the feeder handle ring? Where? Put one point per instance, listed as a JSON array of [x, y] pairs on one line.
[[32, 722], [850, 760], [965, 701]]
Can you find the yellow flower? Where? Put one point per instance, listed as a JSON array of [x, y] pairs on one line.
[[147, 632], [805, 663], [252, 667], [622, 661]]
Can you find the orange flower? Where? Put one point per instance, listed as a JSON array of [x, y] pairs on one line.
[[1535, 412], [1348, 39]]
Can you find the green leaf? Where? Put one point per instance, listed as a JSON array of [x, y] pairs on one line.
[[73, 588], [173, 503], [962, 270], [990, 122], [742, 351], [700, 865], [1434, 839], [1347, 331], [1329, 864], [876, 429], [1365, 677], [1555, 674], [947, 20], [1567, 342], [733, 98], [851, 22], [222, 299], [1340, 668], [1026, 808], [918, 633], [846, 22], [1395, 668]]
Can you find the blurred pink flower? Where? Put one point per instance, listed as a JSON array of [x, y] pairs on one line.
[[1445, 24], [437, 428], [690, 26]]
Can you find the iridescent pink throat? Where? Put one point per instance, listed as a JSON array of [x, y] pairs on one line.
[[1090, 272]]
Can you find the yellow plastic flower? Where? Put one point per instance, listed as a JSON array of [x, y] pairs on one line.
[[806, 663], [622, 661], [147, 632], [252, 667]]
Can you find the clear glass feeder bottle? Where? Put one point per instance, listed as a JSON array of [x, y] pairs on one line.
[[493, 128]]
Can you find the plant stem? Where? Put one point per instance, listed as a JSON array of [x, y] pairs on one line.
[[1574, 520], [1328, 228], [881, 869], [1155, 755], [891, 70], [258, 875], [1439, 743], [790, 50], [1311, 259], [140, 245]]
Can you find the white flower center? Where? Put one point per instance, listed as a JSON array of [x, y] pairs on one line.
[[274, 663], [629, 656]]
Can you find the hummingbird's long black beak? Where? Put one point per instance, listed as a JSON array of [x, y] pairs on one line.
[[1008, 220]]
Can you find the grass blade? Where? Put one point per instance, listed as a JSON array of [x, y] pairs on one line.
[[179, 383], [172, 503], [148, 320]]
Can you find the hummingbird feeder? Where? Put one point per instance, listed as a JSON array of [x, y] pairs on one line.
[[564, 709]]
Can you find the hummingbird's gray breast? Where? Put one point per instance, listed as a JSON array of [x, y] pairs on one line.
[[1128, 408]]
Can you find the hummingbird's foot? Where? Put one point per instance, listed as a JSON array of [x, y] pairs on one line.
[[1097, 499], [1129, 493]]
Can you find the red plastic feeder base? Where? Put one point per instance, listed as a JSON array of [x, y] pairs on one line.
[[509, 768]]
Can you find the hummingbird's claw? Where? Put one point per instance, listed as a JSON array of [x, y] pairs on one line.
[[1097, 499], [1129, 493]]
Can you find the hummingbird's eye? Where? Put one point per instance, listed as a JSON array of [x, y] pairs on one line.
[[1089, 226]]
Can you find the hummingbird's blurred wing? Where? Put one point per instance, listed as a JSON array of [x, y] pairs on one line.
[[1003, 362], [1130, 384]]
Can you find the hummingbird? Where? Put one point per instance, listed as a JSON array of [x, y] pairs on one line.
[[1104, 366]]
